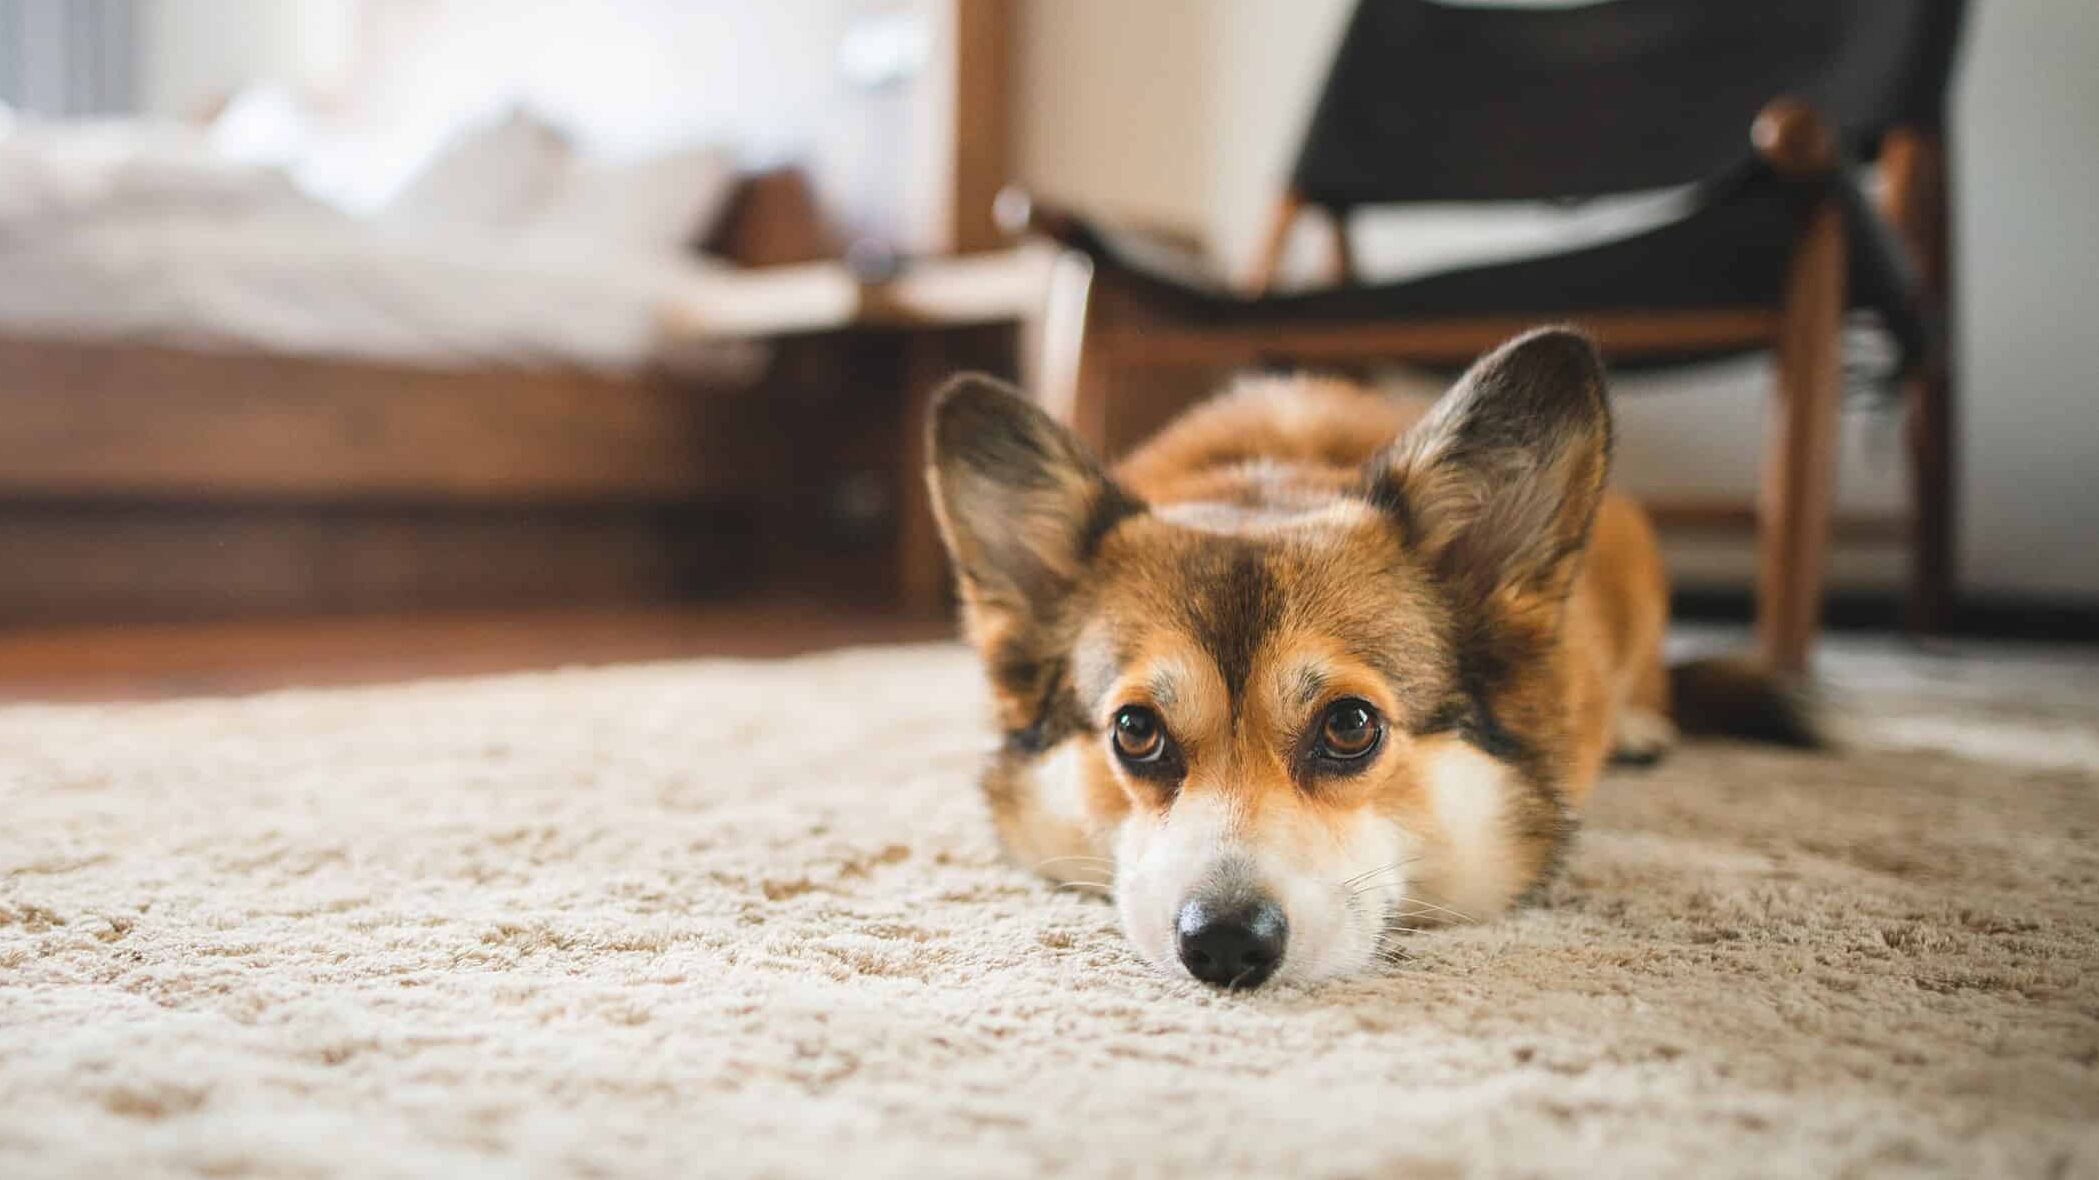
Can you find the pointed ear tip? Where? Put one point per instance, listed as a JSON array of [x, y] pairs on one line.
[[1558, 358], [971, 390], [1562, 346], [967, 399]]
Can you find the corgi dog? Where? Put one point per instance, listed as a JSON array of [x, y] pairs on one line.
[[1312, 667]]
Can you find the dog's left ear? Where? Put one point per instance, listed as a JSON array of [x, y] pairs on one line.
[[1496, 488], [1021, 504]]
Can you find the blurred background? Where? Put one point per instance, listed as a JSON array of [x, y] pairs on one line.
[[357, 339]]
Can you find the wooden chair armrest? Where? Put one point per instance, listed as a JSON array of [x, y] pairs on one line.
[[1169, 258], [1794, 139], [1913, 192], [1882, 246]]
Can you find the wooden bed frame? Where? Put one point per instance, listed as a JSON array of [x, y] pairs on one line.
[[152, 482]]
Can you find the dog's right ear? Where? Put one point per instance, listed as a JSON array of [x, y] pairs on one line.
[[1021, 504]]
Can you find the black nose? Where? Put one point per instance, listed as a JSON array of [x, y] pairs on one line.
[[1233, 946]]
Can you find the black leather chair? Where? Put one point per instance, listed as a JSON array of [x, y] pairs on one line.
[[1763, 112]]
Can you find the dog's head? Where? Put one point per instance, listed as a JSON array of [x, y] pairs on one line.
[[1306, 718]]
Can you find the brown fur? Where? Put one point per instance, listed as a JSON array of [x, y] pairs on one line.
[[1296, 542]]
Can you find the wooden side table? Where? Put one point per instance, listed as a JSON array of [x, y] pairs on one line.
[[1017, 312]]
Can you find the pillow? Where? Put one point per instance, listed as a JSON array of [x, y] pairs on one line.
[[658, 205], [129, 168], [264, 123], [494, 175]]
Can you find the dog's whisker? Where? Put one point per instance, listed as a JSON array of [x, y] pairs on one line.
[[1432, 907], [1377, 886], [1390, 951], [1425, 906], [1396, 865], [1058, 860], [1415, 913]]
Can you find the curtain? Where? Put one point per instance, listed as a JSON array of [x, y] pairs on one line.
[[69, 57]]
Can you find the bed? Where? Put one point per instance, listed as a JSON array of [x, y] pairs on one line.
[[223, 396], [206, 417]]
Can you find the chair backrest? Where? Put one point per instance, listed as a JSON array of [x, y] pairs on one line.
[[1432, 101]]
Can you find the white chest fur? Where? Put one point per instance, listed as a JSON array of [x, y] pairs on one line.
[[1473, 863]]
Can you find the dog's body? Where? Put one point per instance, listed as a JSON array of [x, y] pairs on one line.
[[1311, 666]]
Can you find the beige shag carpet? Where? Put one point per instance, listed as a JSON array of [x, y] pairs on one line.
[[736, 918]]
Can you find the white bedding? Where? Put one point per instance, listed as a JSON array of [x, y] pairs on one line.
[[54, 176], [126, 231], [317, 283]]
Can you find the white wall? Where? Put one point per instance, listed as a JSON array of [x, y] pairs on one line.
[[1186, 112], [761, 77], [1111, 104], [2028, 138], [195, 52]]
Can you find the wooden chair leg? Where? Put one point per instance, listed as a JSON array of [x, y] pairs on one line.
[[1269, 262], [1799, 480], [1930, 607], [1919, 202], [1090, 397], [1061, 336], [1092, 372]]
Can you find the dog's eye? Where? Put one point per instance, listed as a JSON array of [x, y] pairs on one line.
[[1138, 735], [1350, 730]]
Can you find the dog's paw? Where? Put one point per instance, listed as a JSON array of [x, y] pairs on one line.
[[1644, 737]]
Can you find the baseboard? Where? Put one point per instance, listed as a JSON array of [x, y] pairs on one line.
[[1975, 616]]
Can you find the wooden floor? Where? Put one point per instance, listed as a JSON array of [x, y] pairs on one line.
[[150, 662]]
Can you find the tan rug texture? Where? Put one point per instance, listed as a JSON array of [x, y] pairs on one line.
[[748, 919]]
